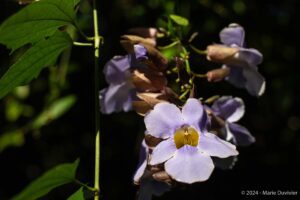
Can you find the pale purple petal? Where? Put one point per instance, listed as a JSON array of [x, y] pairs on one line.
[[115, 69], [215, 146], [140, 52], [242, 136], [115, 98], [163, 120], [194, 114], [233, 34], [228, 108], [142, 162], [251, 56], [255, 82], [236, 76], [189, 165], [163, 151], [139, 172]]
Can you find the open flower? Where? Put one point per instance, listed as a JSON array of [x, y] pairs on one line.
[[188, 146], [241, 61], [119, 94], [231, 110]]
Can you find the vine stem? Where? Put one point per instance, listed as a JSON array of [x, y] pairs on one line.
[[97, 39]]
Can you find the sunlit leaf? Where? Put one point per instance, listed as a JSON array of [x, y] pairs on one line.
[[54, 111], [179, 20], [78, 195], [36, 21], [13, 138], [82, 193], [59, 175], [43, 54]]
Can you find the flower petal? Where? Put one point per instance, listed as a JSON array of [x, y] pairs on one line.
[[233, 34], [116, 98], [228, 108], [163, 151], [236, 76], [194, 114], [214, 146], [140, 51], [163, 120], [250, 56], [139, 172], [242, 136], [115, 69], [189, 165], [255, 82]]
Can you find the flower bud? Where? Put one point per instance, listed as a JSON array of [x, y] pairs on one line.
[[221, 54], [217, 74]]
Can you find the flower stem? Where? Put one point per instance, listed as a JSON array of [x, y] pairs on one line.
[[82, 44], [97, 39]]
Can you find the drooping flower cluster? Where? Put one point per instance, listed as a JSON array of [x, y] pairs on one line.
[[185, 138]]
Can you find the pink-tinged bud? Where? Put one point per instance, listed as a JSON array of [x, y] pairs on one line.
[[217, 74], [222, 54]]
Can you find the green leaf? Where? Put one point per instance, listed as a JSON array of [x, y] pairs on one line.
[[179, 20], [13, 138], [78, 195], [54, 111], [59, 175], [43, 54], [37, 21]]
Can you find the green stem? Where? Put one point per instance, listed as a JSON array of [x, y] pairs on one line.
[[201, 52], [85, 185], [186, 60], [83, 44], [97, 39]]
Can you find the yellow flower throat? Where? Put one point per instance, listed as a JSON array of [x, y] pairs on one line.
[[186, 136]]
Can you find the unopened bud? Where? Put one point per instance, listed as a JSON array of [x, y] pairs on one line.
[[217, 74], [221, 54]]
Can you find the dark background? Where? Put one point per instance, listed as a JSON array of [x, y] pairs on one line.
[[272, 163]]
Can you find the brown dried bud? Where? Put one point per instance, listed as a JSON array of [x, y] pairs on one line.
[[148, 80], [141, 107], [155, 56], [152, 141], [221, 54], [162, 176], [149, 33], [217, 74]]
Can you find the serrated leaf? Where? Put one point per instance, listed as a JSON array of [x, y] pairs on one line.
[[36, 21], [43, 54], [59, 175], [78, 195], [55, 110], [182, 21]]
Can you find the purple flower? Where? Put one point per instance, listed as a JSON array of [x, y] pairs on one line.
[[188, 146], [119, 94], [241, 61], [231, 110], [243, 73], [143, 177]]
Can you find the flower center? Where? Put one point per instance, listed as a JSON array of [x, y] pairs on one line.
[[186, 135]]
